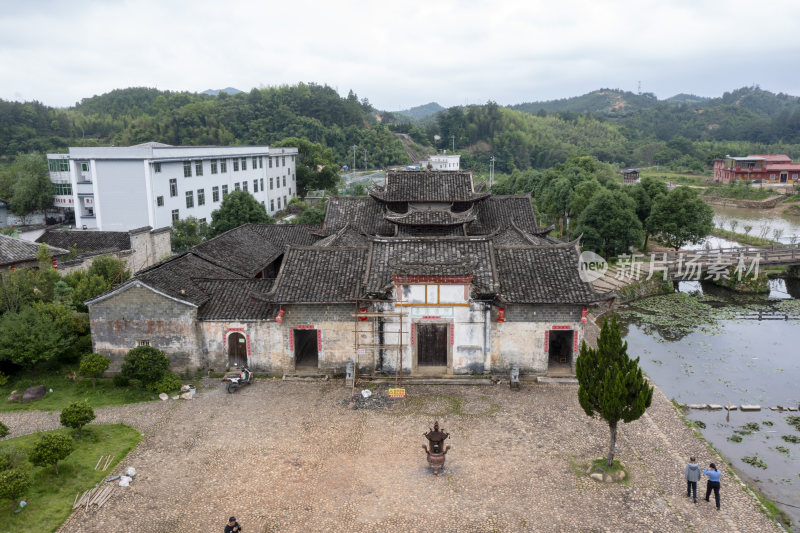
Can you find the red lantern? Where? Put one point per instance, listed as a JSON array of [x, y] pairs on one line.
[[362, 310], [279, 317], [584, 312], [501, 314], [55, 263]]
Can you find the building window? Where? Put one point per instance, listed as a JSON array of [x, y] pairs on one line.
[[270, 162], [143, 343], [198, 168], [223, 165], [290, 191], [292, 159], [284, 181], [272, 205], [61, 189], [224, 191], [236, 186], [236, 165], [244, 163], [270, 184], [203, 220], [255, 185], [201, 197], [260, 162], [262, 184], [279, 202], [187, 169], [244, 186], [160, 201], [58, 165], [84, 167], [283, 161], [215, 194], [173, 187], [213, 166], [189, 199], [174, 215], [285, 203], [156, 167], [255, 162]]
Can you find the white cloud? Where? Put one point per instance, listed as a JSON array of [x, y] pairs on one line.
[[397, 54]]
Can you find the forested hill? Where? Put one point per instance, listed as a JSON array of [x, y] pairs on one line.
[[421, 111], [261, 116]]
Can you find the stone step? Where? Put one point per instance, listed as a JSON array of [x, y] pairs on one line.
[[560, 380]]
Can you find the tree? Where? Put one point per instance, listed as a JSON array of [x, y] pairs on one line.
[[610, 384], [644, 194], [236, 209], [93, 365], [3, 430], [314, 214], [13, 484], [680, 217], [145, 363], [609, 224], [50, 449], [76, 415], [316, 167], [187, 233], [32, 189], [36, 333]]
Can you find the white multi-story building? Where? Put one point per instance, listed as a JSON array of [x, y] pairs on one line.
[[154, 184], [443, 162]]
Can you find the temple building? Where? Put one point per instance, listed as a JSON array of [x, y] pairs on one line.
[[429, 274]]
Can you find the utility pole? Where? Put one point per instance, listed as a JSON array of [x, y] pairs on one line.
[[354, 159], [365, 159], [454, 142], [491, 172]]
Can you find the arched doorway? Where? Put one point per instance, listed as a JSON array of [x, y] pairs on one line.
[[237, 350]]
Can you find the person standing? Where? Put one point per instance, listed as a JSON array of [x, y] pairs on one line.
[[692, 475], [232, 526], [713, 482]]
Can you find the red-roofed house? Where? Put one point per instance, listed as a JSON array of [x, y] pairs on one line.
[[769, 168]]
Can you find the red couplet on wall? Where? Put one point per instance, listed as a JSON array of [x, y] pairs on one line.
[[452, 334], [584, 312], [546, 342], [319, 340], [575, 341], [412, 334], [501, 314]]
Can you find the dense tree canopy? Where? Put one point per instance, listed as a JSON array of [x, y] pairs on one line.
[[237, 208], [609, 225], [31, 189], [315, 167], [680, 217]]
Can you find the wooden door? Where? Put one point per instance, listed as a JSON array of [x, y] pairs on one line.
[[237, 350], [432, 344]]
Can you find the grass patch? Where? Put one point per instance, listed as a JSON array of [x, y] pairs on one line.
[[66, 391], [754, 460], [616, 466], [739, 192], [50, 497], [792, 198], [772, 510], [742, 238]]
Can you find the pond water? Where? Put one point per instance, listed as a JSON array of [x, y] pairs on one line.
[[731, 358], [761, 223]]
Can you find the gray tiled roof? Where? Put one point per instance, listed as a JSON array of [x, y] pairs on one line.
[[361, 212], [347, 237], [88, 241], [430, 257], [174, 276], [430, 217], [427, 186], [497, 212], [512, 235], [542, 275], [320, 274], [251, 247], [241, 299], [14, 250]]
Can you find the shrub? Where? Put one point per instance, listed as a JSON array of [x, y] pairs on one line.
[[5, 463], [50, 449], [93, 365], [145, 363], [76, 415], [3, 430], [170, 382], [120, 381], [3, 379], [13, 484]]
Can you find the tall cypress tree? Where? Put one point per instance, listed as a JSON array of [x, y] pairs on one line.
[[610, 383]]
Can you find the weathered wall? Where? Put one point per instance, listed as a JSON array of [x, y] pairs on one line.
[[336, 324], [149, 246], [521, 338], [138, 314], [84, 262], [264, 345]]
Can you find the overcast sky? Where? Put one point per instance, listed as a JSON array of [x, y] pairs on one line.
[[398, 54]]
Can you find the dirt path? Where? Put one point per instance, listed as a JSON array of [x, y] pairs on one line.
[[287, 456]]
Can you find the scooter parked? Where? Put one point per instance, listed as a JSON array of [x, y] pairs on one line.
[[234, 380]]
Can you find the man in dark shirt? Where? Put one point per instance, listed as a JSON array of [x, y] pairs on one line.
[[233, 526]]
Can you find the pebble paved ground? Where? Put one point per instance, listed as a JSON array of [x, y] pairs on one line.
[[288, 456]]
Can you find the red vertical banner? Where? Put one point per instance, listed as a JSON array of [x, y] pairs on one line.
[[452, 334], [411, 334], [575, 341], [319, 340], [291, 340], [547, 342], [247, 338], [584, 312]]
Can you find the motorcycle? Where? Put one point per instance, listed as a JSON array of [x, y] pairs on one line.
[[234, 380]]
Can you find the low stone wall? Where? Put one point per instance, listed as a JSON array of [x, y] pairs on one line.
[[768, 203]]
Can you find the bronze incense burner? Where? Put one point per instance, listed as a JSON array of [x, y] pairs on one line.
[[436, 450]]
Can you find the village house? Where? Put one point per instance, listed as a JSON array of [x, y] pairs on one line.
[[766, 168], [19, 253], [426, 275]]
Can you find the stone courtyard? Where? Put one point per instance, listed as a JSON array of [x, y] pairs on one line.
[[291, 456]]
